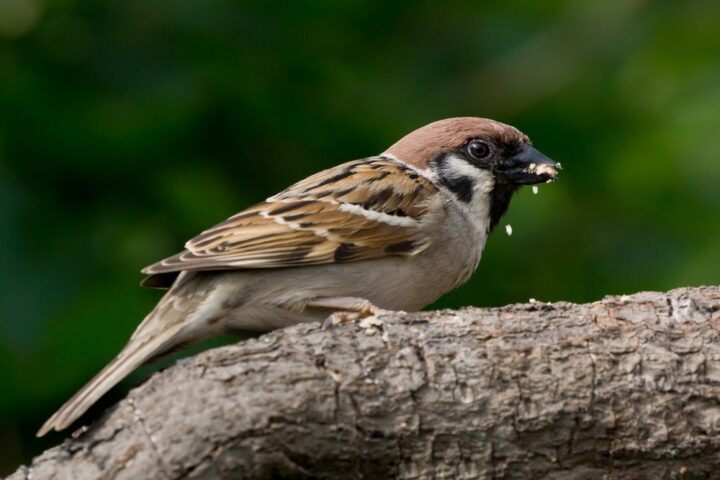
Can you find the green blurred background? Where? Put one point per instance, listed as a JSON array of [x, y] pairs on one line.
[[128, 126]]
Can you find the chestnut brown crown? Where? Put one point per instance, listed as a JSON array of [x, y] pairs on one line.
[[420, 147]]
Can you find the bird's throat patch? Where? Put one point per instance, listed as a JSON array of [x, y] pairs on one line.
[[499, 202]]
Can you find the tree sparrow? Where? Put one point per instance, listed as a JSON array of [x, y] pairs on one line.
[[395, 231]]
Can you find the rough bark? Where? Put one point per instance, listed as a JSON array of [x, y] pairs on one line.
[[624, 388]]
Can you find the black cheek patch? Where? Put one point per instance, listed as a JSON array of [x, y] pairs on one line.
[[462, 187]]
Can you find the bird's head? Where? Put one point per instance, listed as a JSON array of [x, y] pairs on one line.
[[478, 159]]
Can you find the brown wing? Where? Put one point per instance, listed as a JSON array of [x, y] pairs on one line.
[[343, 214]]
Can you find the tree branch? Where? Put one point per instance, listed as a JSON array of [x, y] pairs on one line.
[[628, 387]]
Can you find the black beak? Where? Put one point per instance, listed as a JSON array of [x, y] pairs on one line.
[[528, 166]]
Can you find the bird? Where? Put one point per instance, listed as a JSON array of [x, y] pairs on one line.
[[393, 231]]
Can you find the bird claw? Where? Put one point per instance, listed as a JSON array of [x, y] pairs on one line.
[[346, 309], [338, 318], [361, 311]]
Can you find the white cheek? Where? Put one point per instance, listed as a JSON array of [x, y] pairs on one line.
[[483, 180], [478, 209]]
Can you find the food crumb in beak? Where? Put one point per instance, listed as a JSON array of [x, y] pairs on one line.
[[535, 189], [544, 169], [508, 229]]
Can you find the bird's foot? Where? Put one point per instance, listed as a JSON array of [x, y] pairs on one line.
[[349, 309]]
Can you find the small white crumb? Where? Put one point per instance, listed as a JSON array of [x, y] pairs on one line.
[[532, 300], [535, 189], [508, 229]]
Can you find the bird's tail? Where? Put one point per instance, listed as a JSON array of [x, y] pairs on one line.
[[137, 352]]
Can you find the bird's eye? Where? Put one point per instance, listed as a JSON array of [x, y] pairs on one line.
[[478, 149]]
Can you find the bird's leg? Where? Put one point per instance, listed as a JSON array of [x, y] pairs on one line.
[[347, 309]]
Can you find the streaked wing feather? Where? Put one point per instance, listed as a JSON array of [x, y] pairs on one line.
[[339, 215]]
